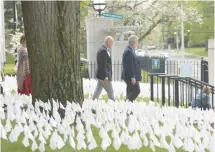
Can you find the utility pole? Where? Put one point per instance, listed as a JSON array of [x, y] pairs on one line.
[[15, 16], [163, 42], [177, 41], [182, 31], [2, 35], [163, 34], [176, 36]]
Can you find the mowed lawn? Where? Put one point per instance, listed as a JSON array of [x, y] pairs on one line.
[[7, 146], [197, 51], [10, 64]]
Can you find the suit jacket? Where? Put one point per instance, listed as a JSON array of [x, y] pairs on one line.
[[131, 65], [104, 64]]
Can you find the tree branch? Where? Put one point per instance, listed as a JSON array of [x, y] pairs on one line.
[[137, 4], [150, 30], [153, 3], [153, 18]]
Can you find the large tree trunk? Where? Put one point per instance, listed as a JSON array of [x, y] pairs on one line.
[[52, 32]]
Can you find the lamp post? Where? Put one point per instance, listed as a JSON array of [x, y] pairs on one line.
[[176, 34], [15, 17], [188, 36], [99, 6], [163, 45], [182, 31]]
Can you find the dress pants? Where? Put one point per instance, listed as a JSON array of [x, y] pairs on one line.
[[108, 88]]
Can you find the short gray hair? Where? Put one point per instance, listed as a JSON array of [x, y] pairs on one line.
[[109, 38], [132, 38]]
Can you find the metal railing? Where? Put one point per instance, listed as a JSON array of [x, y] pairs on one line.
[[168, 67], [180, 91]]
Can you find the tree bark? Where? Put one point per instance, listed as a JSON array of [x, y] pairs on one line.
[[52, 32]]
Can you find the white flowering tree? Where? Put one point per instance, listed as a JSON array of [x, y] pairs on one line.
[[150, 13], [15, 40]]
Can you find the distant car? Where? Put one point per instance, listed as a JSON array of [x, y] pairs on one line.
[[140, 52], [83, 60], [165, 54], [152, 47]]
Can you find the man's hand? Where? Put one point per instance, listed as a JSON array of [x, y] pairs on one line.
[[133, 81], [106, 80]]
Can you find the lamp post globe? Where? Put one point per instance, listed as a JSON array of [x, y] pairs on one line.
[[99, 6]]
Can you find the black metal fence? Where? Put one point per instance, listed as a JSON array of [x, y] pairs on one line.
[[153, 65], [204, 71], [179, 91], [166, 85]]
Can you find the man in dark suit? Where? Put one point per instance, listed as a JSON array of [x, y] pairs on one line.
[[104, 71], [131, 69]]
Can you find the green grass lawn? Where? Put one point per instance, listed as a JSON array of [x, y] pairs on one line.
[[197, 51], [7, 146], [10, 64], [19, 147], [146, 77]]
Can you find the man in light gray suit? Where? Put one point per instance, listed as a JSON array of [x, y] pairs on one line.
[[104, 71]]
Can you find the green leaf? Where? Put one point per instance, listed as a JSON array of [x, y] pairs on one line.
[[84, 3]]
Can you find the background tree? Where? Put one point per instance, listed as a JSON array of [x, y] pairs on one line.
[[52, 31], [9, 23], [200, 33], [83, 39], [148, 14]]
